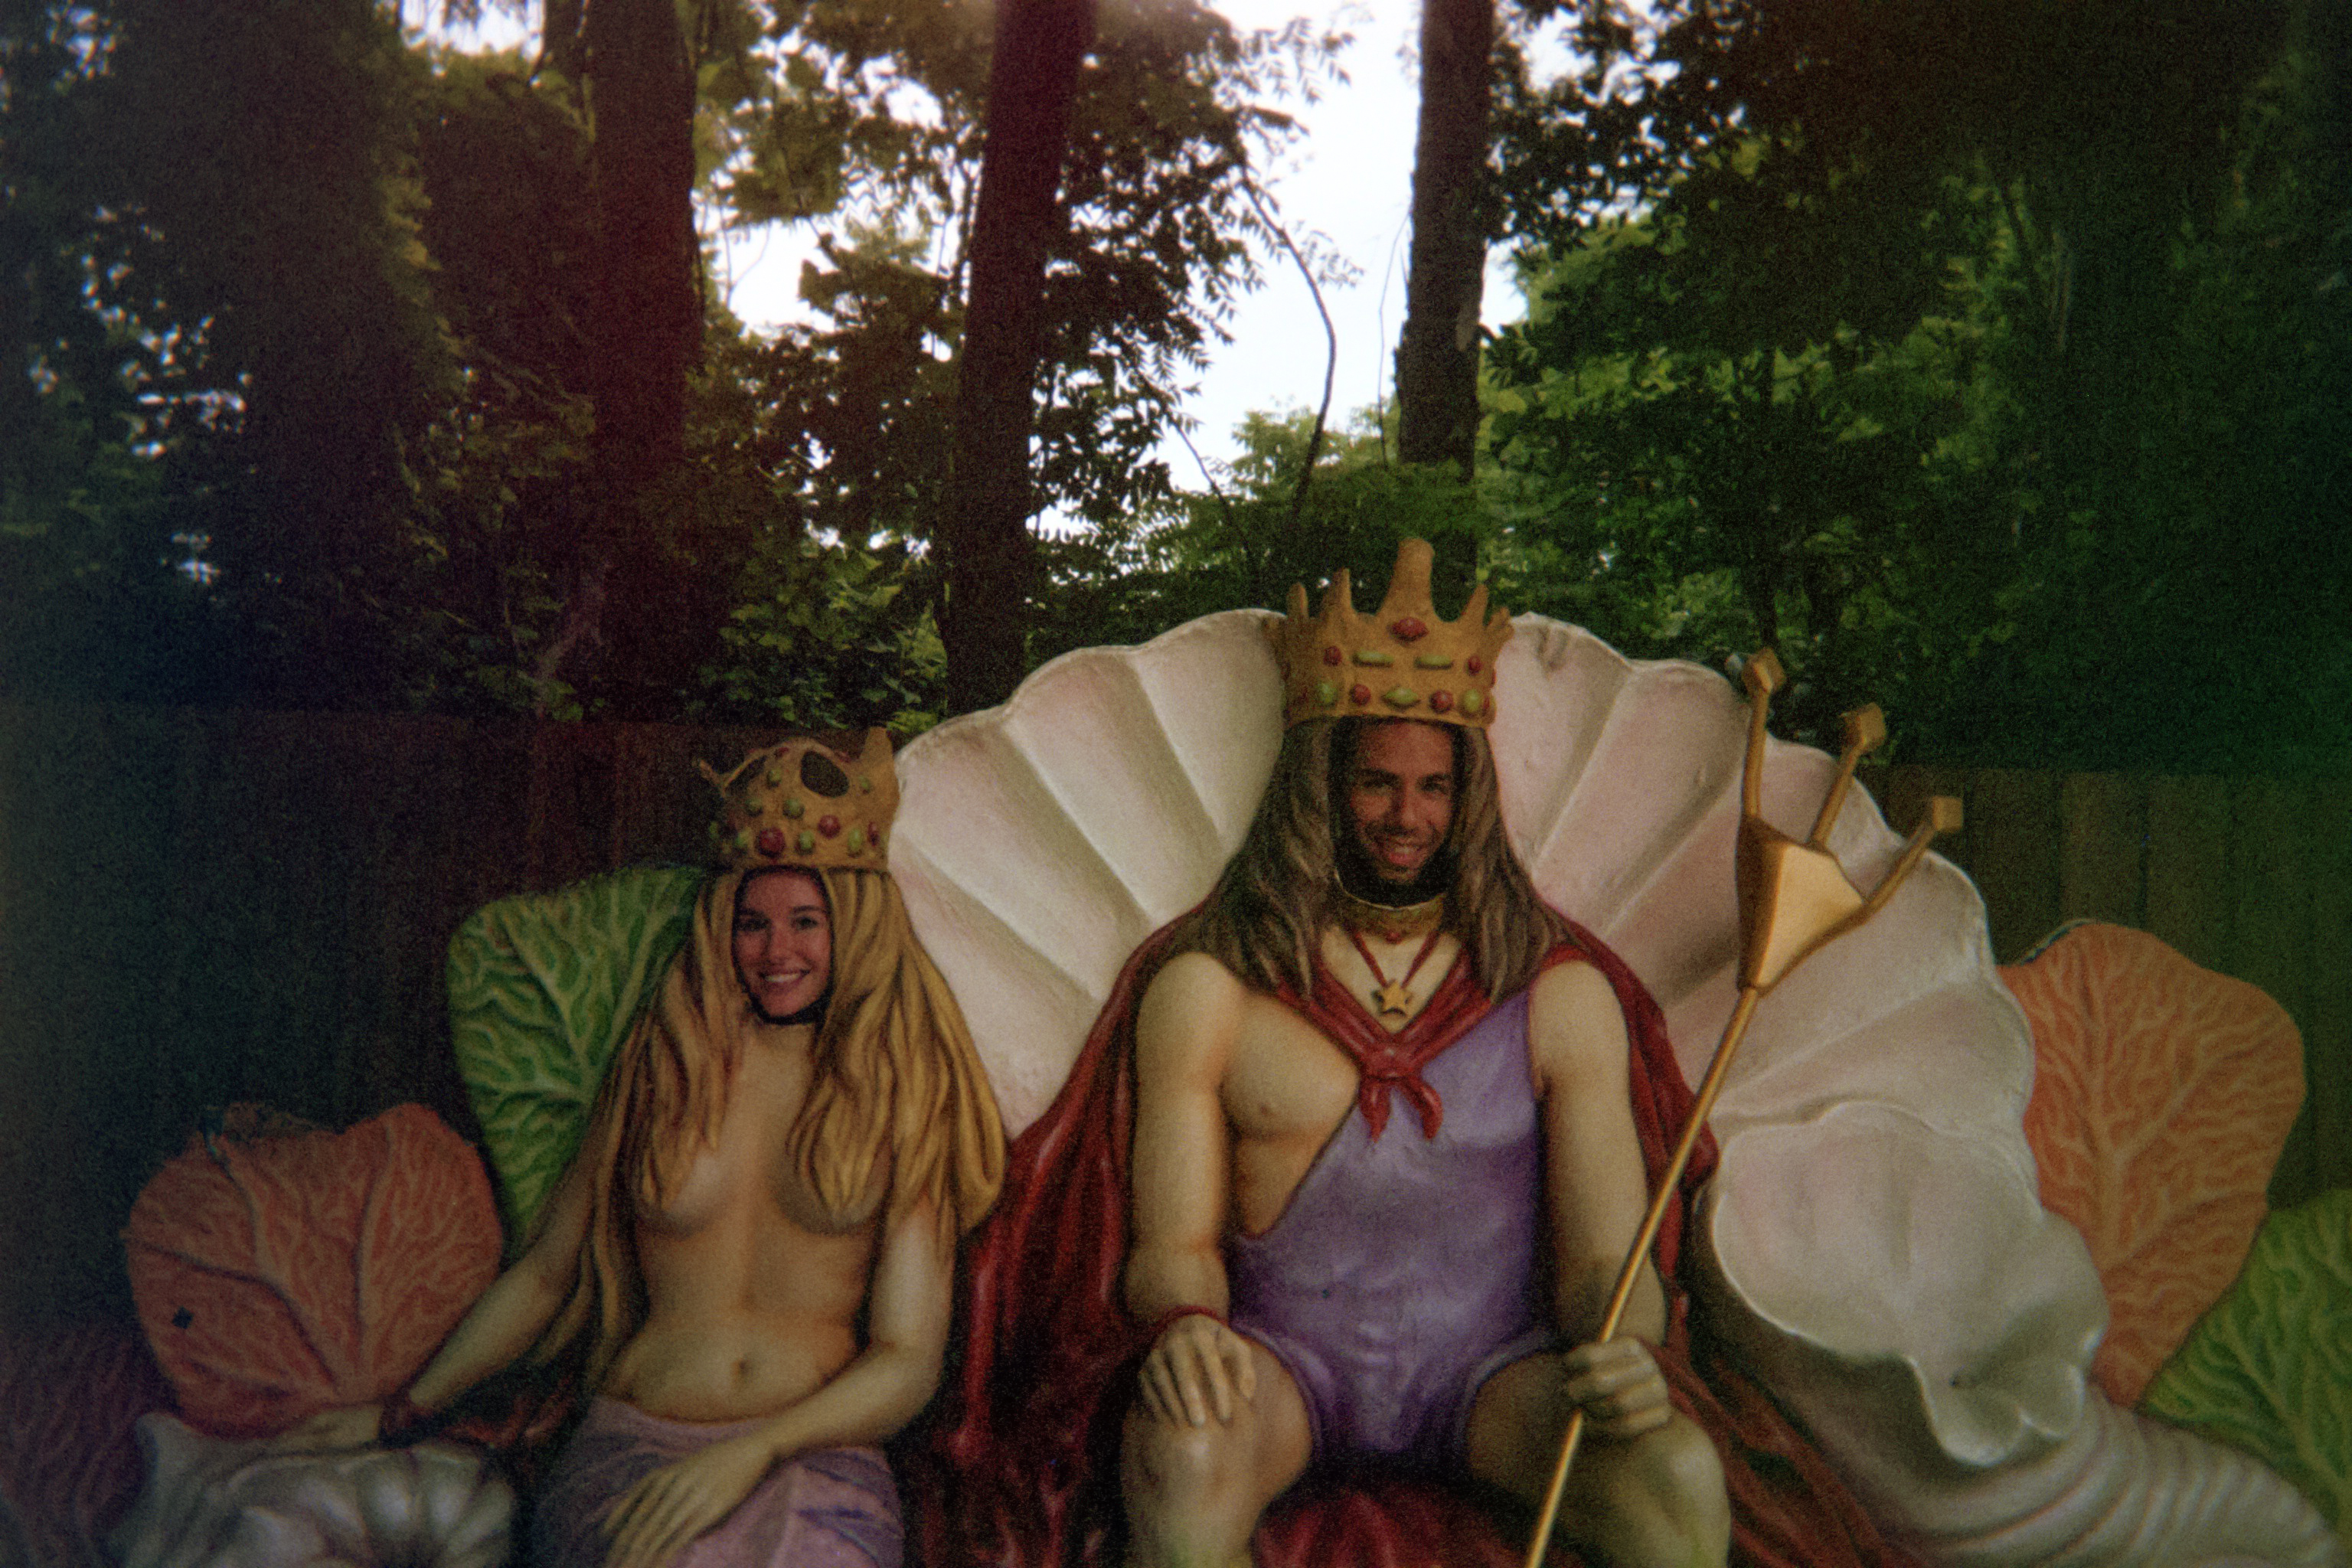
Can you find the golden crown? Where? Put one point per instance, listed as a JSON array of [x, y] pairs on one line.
[[1402, 662], [804, 803]]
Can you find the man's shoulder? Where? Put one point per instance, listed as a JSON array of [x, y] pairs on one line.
[[1573, 1010], [1190, 1010], [1191, 973], [1195, 1006], [1569, 969]]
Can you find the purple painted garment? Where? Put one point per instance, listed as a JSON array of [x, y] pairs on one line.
[[836, 1507], [1402, 1274]]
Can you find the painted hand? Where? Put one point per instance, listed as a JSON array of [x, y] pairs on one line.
[[354, 1427], [670, 1508], [1617, 1385], [1198, 1367]]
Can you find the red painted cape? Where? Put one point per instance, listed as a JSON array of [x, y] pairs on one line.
[[1021, 1467]]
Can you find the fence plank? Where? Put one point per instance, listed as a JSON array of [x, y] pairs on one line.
[[2271, 932], [2327, 1023], [2013, 854], [2190, 903], [571, 804], [662, 805], [2102, 854]]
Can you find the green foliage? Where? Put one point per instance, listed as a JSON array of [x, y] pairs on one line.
[[326, 300], [2269, 1368], [229, 339], [823, 640], [1995, 360], [263, 149], [1918, 356], [1697, 466], [1250, 541]]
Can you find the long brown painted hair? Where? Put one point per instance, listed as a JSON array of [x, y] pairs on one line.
[[896, 1090], [1270, 905]]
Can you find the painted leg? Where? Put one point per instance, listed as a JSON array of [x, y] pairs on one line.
[[1194, 1494], [1652, 1501]]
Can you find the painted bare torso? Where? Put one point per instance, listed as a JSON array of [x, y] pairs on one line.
[[1288, 1086], [752, 1292]]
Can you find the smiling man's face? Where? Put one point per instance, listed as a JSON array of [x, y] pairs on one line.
[[1401, 796]]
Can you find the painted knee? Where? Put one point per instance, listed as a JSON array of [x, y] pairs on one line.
[[1673, 1511], [1191, 1498], [1166, 1464]]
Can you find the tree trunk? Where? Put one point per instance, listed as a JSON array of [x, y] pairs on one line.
[[1437, 359], [562, 45], [641, 590], [1033, 77]]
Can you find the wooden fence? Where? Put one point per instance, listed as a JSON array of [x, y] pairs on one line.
[[2246, 876], [200, 907]]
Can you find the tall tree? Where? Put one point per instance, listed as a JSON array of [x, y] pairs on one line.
[[1033, 80], [1987, 351], [644, 603], [242, 169], [1437, 358]]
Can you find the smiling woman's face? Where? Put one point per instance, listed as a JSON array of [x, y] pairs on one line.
[[784, 943]]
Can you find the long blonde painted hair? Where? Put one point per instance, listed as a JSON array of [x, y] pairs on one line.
[[896, 1089]]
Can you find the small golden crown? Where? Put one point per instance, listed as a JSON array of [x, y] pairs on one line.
[[805, 804], [1401, 663]]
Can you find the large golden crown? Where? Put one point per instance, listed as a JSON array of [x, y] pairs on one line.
[[804, 803], [1402, 662]]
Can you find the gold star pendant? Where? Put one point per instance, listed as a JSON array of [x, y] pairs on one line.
[[1392, 998]]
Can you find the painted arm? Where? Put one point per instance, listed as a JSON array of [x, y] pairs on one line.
[[519, 1305], [1595, 1192], [1181, 1167], [504, 1321], [908, 1310]]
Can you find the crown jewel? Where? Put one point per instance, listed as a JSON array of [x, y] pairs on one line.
[[1402, 662], [804, 803]]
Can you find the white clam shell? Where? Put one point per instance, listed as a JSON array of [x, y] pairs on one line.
[[213, 1502], [1876, 1242]]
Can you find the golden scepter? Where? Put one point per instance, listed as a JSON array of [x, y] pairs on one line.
[[1794, 899]]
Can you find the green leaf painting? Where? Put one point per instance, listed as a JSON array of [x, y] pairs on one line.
[[2269, 1368], [541, 988]]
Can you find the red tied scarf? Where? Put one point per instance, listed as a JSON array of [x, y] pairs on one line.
[[1388, 1061]]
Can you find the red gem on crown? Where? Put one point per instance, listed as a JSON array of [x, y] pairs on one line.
[[772, 841], [1331, 654], [1441, 701], [829, 826], [1410, 628], [1476, 664], [1359, 695]]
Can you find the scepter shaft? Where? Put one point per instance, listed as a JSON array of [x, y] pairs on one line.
[[1734, 1030]]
